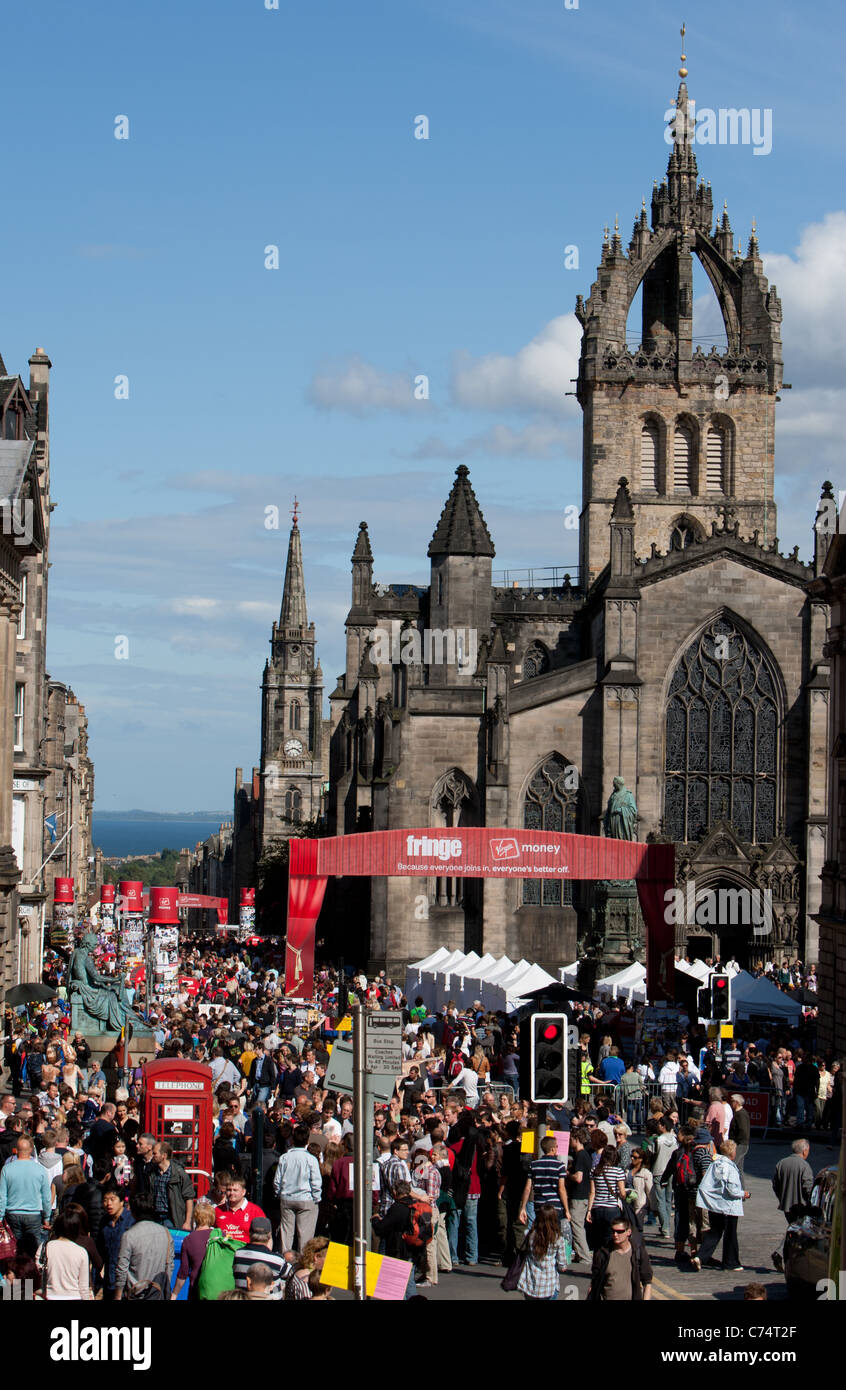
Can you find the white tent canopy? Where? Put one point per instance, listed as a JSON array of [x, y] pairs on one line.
[[697, 968], [465, 977], [414, 973], [628, 983]]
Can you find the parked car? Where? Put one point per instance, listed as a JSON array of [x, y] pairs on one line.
[[808, 1242]]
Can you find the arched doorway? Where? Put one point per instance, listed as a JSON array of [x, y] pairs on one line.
[[726, 921]]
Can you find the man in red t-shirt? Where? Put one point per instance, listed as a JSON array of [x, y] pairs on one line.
[[234, 1216]]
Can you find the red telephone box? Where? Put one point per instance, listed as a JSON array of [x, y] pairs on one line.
[[178, 1108]]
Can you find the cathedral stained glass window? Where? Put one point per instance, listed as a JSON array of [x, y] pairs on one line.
[[721, 738], [535, 662], [551, 804]]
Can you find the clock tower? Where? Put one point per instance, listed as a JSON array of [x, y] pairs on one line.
[[292, 735]]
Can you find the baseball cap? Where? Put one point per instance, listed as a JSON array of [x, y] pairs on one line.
[[260, 1226]]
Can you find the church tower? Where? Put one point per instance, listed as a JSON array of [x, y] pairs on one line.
[[292, 758], [691, 428]]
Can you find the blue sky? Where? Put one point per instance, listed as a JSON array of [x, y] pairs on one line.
[[295, 127]]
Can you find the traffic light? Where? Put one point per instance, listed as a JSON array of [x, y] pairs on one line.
[[548, 1058], [720, 997]]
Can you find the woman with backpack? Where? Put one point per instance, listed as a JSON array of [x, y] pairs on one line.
[[685, 1184], [545, 1257]]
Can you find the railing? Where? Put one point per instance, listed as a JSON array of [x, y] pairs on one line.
[[546, 577]]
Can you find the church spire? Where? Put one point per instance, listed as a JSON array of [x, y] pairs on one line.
[[293, 613], [461, 529]]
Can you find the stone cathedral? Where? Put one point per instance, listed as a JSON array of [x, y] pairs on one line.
[[686, 656]]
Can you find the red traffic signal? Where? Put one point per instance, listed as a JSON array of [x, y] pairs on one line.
[[548, 1058]]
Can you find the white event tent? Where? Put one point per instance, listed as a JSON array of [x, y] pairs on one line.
[[465, 977], [628, 984]]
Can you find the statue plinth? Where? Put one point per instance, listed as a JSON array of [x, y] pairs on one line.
[[616, 937]]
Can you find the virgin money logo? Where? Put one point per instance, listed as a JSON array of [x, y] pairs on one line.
[[505, 849]]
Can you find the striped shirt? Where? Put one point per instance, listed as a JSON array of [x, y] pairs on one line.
[[605, 1186], [546, 1173], [250, 1255]]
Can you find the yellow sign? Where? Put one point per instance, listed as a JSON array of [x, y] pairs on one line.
[[345, 1025], [713, 1030], [726, 1030], [385, 1278], [527, 1141]]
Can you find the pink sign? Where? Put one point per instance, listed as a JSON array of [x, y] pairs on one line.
[[392, 1279]]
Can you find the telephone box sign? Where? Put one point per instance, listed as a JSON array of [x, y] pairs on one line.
[[178, 1085]]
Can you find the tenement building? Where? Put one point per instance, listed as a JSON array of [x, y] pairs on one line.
[[46, 776], [685, 656]]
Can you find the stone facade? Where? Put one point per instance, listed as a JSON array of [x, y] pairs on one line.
[[830, 587], [687, 657], [44, 764], [69, 797]]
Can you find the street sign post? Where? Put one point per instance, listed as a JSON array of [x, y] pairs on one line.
[[383, 1033]]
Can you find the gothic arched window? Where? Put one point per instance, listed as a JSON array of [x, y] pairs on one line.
[[683, 459], [649, 457], [294, 804], [536, 661], [453, 803], [552, 799], [295, 714], [721, 728], [682, 534], [715, 460]]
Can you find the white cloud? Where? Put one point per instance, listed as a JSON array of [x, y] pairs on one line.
[[536, 377], [359, 388], [541, 439], [812, 287]]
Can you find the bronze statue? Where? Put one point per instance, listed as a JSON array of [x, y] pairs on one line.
[[99, 1002], [621, 813]]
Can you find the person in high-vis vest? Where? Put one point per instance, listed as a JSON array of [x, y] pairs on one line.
[[585, 1066]]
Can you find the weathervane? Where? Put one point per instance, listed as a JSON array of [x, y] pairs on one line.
[[295, 511], [683, 69]]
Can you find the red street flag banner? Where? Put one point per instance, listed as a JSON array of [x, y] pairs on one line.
[[480, 852], [218, 905]]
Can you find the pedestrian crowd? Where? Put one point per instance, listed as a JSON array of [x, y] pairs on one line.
[[91, 1206]]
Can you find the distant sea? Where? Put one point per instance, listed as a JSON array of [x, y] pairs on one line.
[[118, 837]]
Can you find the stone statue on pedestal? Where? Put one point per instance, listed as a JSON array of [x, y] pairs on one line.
[[621, 813], [99, 1003], [616, 935]]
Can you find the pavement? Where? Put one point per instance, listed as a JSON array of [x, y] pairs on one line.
[[761, 1231]]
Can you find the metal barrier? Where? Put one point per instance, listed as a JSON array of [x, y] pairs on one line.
[[635, 1110]]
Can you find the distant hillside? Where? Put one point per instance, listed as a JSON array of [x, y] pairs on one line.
[[157, 870]]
